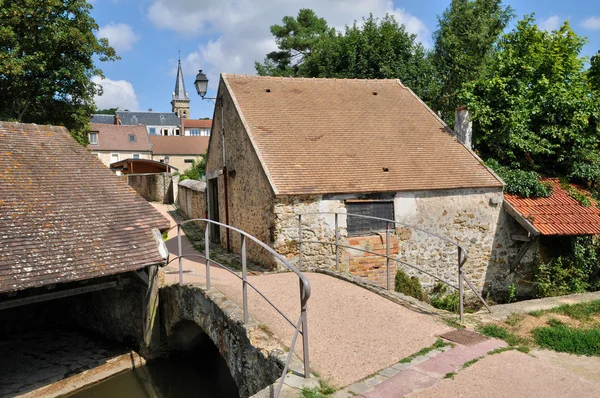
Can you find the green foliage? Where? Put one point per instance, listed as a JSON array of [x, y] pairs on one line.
[[165, 235], [511, 294], [47, 51], [519, 182], [576, 194], [593, 73], [295, 40], [441, 299], [579, 311], [109, 111], [534, 109], [373, 49], [501, 333], [559, 337], [464, 43], [439, 343], [196, 171], [408, 285], [573, 268]]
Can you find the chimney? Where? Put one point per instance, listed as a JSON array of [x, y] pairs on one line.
[[117, 120], [463, 127], [149, 109]]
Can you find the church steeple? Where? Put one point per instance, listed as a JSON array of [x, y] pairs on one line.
[[180, 103]]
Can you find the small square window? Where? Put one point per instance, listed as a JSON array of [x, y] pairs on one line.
[[131, 137], [176, 131], [94, 138], [114, 157], [361, 226], [152, 130], [165, 131], [136, 155], [188, 160]]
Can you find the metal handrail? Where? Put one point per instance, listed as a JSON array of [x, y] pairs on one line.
[[301, 327], [462, 253]]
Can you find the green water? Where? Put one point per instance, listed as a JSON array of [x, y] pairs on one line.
[[197, 374]]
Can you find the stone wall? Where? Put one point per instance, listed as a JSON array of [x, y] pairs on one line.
[[250, 195], [191, 199], [251, 354], [472, 217], [154, 187]]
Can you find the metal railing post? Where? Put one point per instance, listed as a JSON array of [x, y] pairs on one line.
[[207, 254], [244, 280], [299, 241], [337, 241], [179, 252], [460, 285], [387, 253], [304, 322]]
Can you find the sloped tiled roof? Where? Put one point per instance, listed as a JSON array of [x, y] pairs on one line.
[[116, 138], [178, 145], [558, 214], [64, 216], [130, 118], [197, 123], [317, 136], [103, 119]]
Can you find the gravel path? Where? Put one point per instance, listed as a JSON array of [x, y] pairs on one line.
[[352, 332]]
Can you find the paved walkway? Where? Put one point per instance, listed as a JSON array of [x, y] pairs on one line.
[[352, 331]]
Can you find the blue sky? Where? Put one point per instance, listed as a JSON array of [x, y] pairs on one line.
[[229, 35]]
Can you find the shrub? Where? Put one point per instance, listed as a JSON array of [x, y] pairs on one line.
[[511, 294], [520, 182], [408, 285], [439, 298]]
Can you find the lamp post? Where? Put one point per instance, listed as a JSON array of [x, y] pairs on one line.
[[201, 84], [166, 161]]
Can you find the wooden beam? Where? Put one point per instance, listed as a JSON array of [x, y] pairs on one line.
[[520, 238], [525, 223], [61, 294], [522, 251]]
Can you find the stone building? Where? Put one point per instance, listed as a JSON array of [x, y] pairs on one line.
[[180, 104], [368, 147], [113, 143]]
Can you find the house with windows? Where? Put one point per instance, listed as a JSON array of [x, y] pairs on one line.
[[195, 128], [178, 152], [291, 146], [113, 143]]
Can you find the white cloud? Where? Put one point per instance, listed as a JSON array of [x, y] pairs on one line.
[[116, 94], [240, 32], [592, 23], [120, 36], [550, 23]]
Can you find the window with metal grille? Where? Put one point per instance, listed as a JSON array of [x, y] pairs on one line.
[[359, 226]]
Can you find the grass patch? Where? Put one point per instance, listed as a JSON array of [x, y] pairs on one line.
[[514, 319], [471, 362], [453, 322], [501, 333], [579, 311], [312, 393], [439, 343], [562, 338], [450, 375]]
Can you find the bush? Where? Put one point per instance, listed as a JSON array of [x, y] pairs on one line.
[[520, 182], [439, 298], [196, 171], [408, 285], [559, 337]]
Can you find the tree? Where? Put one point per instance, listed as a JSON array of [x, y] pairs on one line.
[[295, 39], [46, 63], [534, 109], [375, 49], [464, 43], [594, 72], [109, 111], [196, 171]]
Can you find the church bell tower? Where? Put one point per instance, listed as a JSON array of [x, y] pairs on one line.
[[180, 104]]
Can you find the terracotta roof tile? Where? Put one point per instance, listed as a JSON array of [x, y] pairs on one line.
[[178, 145], [64, 216], [337, 136], [558, 214], [197, 123], [116, 138]]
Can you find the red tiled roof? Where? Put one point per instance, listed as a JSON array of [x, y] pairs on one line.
[[178, 145], [558, 214], [64, 216], [318, 136], [113, 137], [196, 123]]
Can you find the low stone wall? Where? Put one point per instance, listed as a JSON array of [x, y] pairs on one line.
[[472, 217], [191, 199], [154, 187], [250, 353]]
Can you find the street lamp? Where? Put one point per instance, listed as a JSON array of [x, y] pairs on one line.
[[201, 84]]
